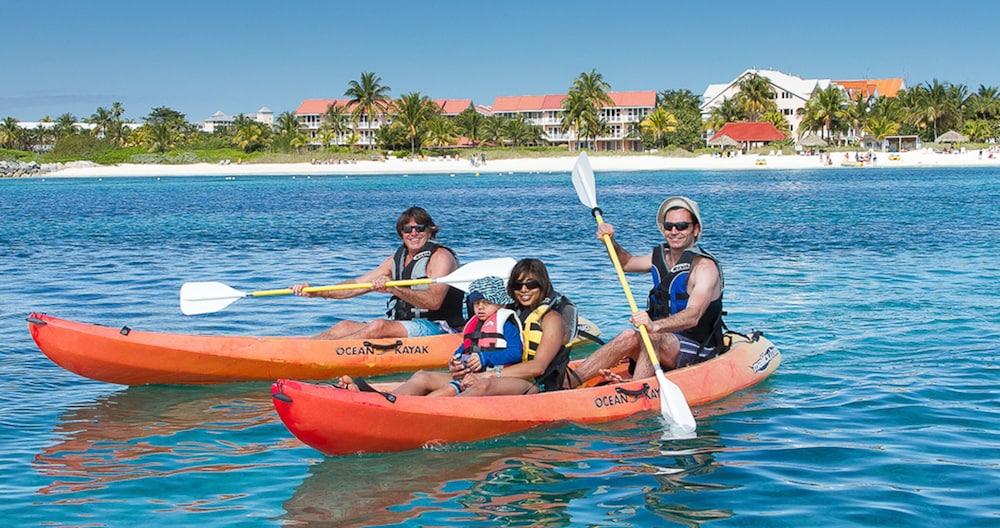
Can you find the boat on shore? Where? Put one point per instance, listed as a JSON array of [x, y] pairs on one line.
[[337, 421], [132, 357]]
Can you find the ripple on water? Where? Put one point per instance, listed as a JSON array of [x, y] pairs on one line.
[[883, 412]]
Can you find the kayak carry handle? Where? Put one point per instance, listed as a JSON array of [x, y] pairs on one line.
[[644, 391], [34, 320], [379, 346], [282, 397]]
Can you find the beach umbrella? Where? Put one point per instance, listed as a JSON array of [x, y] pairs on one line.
[[951, 137], [812, 140], [723, 141]]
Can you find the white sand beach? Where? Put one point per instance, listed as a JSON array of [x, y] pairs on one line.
[[922, 158]]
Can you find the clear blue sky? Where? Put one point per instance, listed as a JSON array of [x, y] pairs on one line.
[[202, 56]]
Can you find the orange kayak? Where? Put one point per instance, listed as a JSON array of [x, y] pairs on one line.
[[338, 422], [132, 357]]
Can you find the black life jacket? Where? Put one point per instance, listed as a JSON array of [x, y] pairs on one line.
[[400, 310], [669, 295], [531, 334]]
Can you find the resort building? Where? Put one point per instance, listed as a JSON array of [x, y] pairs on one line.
[[310, 115], [546, 111], [790, 93], [220, 120], [750, 134], [873, 87]]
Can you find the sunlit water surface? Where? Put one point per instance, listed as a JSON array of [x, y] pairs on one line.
[[879, 286]]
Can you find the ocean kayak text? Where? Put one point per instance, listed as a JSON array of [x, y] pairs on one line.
[[364, 350]]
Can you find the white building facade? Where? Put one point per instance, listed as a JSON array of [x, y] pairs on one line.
[[311, 111], [546, 111], [790, 94], [219, 120]]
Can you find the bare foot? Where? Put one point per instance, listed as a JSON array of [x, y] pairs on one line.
[[346, 383], [611, 376]]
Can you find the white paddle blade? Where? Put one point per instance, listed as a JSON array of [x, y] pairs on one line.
[[206, 297], [674, 407], [583, 181], [463, 276]]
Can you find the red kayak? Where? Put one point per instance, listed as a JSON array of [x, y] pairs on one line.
[[132, 357], [338, 422]]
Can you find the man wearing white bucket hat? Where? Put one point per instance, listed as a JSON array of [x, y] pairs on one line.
[[684, 311]]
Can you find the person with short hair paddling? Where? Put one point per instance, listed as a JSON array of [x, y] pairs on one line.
[[412, 312], [684, 314]]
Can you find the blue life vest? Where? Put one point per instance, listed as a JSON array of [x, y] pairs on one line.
[[669, 294]]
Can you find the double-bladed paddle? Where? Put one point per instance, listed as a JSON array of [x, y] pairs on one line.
[[673, 405], [207, 297]]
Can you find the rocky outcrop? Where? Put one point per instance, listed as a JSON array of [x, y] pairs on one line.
[[21, 169]]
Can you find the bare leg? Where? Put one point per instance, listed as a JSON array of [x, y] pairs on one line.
[[667, 349], [501, 386], [625, 344], [341, 329], [372, 329], [423, 383]]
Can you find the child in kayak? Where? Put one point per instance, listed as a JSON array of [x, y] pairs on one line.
[[492, 339]]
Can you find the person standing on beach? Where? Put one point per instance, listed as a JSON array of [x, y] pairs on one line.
[[684, 314], [412, 312]]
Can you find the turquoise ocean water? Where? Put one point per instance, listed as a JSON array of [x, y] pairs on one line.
[[879, 286]]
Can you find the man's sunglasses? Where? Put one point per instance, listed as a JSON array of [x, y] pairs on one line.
[[419, 228], [681, 226], [531, 284]]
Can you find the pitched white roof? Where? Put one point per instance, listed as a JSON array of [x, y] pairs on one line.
[[264, 110], [802, 88]]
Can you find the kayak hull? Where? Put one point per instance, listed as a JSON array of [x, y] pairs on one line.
[[338, 422], [132, 357]]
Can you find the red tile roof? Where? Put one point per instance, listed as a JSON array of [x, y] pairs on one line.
[[453, 106], [752, 131], [319, 106], [523, 103], [868, 87]]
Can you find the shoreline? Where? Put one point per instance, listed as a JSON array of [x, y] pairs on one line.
[[523, 165]]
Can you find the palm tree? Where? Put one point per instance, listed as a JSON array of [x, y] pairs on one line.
[[161, 136], [369, 97], [333, 125], [881, 126], [729, 111], [101, 119], [857, 112], [470, 123], [824, 111], [65, 125], [10, 133], [575, 108], [117, 130], [756, 96], [250, 135], [441, 132], [658, 124], [985, 103], [678, 99], [777, 119], [979, 130], [289, 130], [492, 130], [519, 131], [413, 112], [591, 96]]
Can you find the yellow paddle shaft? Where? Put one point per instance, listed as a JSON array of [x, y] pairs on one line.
[[653, 358], [340, 287]]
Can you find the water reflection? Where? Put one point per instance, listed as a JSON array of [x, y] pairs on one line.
[[144, 432], [622, 471]]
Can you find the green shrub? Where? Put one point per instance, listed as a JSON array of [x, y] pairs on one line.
[[16, 155], [74, 147]]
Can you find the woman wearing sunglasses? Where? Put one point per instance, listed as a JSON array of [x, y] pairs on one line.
[[412, 312], [684, 314], [547, 320]]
